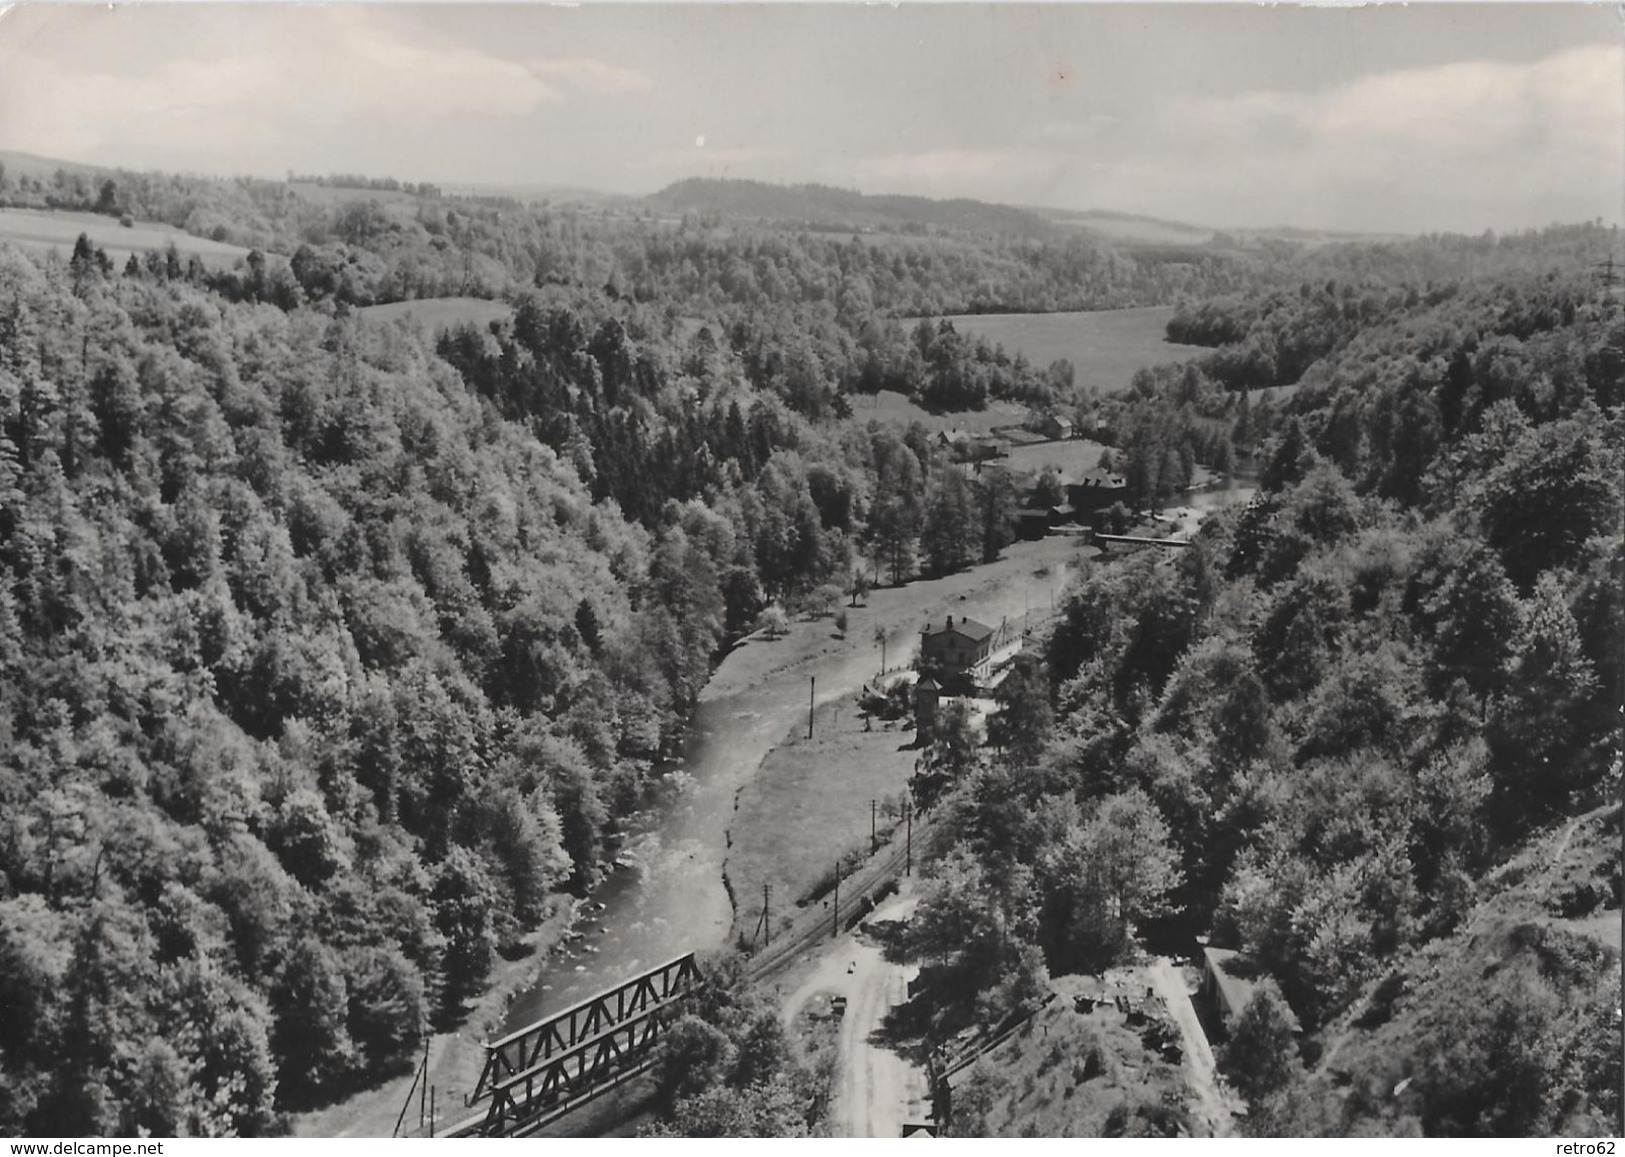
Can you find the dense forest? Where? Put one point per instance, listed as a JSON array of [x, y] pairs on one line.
[[333, 652], [1317, 733]]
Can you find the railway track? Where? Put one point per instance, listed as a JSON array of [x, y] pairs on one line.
[[808, 930]]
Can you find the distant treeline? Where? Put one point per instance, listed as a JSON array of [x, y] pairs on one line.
[[377, 184]]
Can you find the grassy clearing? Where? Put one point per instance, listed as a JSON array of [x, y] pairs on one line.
[[809, 805], [1076, 457], [442, 312], [1105, 346], [41, 231], [901, 410], [1064, 1072]]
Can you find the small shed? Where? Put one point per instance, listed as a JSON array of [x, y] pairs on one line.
[[1230, 979], [1055, 426], [927, 695]]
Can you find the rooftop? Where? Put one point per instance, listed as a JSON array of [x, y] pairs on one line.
[[970, 628], [1239, 977]]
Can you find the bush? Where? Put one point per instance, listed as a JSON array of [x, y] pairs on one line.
[[1261, 1058]]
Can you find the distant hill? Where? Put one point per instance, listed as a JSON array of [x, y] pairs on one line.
[[1129, 227], [828, 207], [534, 194], [19, 164], [1134, 229]]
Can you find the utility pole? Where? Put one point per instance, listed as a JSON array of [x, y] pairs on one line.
[[874, 836], [908, 855], [423, 1093], [812, 686]]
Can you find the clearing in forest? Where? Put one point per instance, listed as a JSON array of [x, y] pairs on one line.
[[43, 230], [1105, 346]]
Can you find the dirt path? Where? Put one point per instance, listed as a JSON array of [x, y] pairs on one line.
[[877, 1090], [1214, 1105]]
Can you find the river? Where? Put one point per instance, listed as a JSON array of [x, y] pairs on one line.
[[667, 897]]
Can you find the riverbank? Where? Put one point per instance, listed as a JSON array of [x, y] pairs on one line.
[[671, 899], [456, 1057], [1025, 583]]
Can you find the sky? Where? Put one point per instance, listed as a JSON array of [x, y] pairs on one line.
[[1435, 117]]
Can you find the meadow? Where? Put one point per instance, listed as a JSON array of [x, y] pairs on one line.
[[1105, 346], [1076, 457], [41, 231], [887, 406], [809, 804]]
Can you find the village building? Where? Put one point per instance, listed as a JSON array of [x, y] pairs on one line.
[[1056, 427], [958, 647], [964, 447], [1097, 490], [987, 448]]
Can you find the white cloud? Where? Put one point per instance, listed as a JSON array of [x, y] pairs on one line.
[[1460, 146], [308, 72]]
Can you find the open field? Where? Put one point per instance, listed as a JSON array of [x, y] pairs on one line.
[[442, 312], [887, 406], [1106, 346], [42, 230], [809, 803], [1075, 457]]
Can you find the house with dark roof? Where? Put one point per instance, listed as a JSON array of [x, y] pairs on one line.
[[960, 646], [1231, 979], [1097, 490], [1056, 427]]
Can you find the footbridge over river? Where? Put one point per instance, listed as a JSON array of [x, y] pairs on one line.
[[550, 1068]]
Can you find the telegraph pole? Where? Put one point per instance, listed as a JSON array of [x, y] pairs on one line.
[[908, 855], [835, 908], [767, 919], [874, 836], [812, 686]]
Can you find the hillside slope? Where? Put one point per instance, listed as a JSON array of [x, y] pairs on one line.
[[822, 205], [1494, 1030]]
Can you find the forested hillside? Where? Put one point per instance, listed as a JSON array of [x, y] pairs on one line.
[[327, 661], [1322, 733], [333, 651]]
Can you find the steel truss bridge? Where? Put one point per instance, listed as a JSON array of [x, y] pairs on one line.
[[1121, 540], [536, 1075]]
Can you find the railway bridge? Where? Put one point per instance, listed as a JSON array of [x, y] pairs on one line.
[[1122, 541], [536, 1075]]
